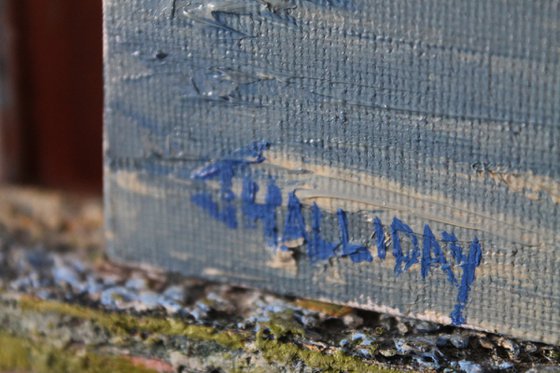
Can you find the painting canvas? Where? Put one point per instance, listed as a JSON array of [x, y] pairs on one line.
[[397, 156]]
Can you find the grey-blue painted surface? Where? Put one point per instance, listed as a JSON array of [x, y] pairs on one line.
[[439, 113]]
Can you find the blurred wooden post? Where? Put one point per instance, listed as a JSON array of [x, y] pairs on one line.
[[52, 83], [11, 157]]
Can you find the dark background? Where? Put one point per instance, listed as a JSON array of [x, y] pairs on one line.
[[51, 93]]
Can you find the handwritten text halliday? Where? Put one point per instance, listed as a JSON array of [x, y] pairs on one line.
[[318, 249]]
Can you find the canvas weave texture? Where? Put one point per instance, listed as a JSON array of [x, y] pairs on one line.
[[392, 155]]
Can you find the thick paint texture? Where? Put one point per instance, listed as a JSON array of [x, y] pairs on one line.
[[294, 227], [319, 249], [410, 258], [431, 245], [379, 238], [357, 253], [266, 212], [224, 171], [468, 265]]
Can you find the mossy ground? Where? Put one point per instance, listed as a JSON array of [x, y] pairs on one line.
[[23, 355], [123, 324], [275, 342], [281, 326], [286, 353]]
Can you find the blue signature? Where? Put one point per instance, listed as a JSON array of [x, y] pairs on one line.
[[429, 253]]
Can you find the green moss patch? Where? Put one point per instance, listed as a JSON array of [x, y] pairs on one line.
[[286, 353], [21, 355], [124, 324], [277, 341], [282, 326]]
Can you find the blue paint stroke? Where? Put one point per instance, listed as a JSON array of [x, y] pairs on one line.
[[456, 250], [224, 170], [226, 214], [410, 258], [357, 253], [205, 200], [379, 238], [430, 243], [266, 212], [239, 160], [469, 266], [318, 249], [294, 227]]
